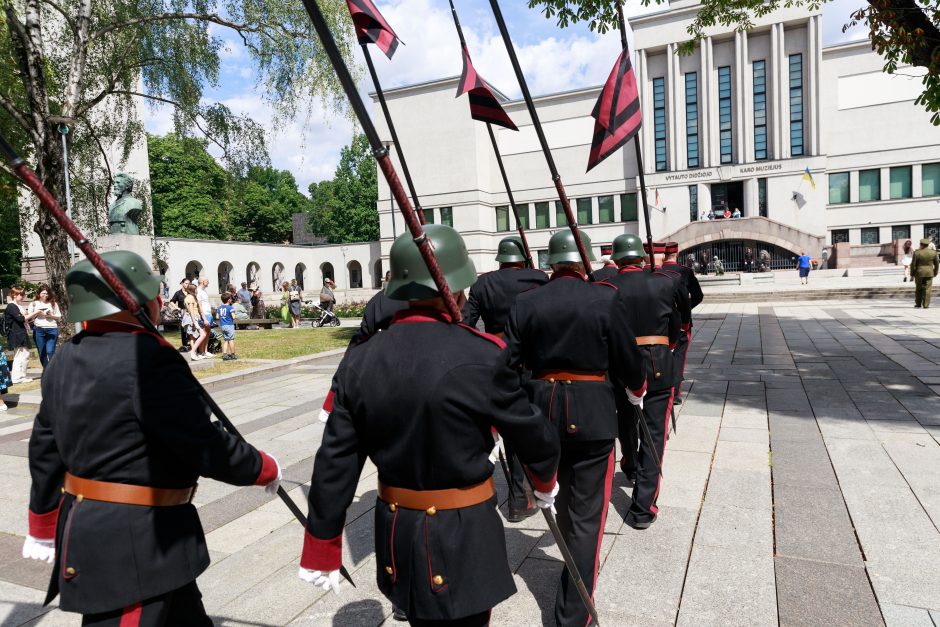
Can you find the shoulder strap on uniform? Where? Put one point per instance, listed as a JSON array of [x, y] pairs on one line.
[[486, 336]]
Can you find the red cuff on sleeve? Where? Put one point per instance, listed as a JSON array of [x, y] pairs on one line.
[[672, 346], [543, 486], [641, 391], [268, 470], [687, 326], [328, 403], [42, 526], [323, 555]]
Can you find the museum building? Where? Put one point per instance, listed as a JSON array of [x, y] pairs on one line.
[[814, 146]]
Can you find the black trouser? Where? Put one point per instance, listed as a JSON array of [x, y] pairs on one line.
[[474, 620], [179, 608], [518, 487], [628, 434], [585, 475], [184, 337], [656, 408], [680, 352]]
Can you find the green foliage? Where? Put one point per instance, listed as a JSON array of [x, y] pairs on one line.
[[267, 200], [350, 310], [90, 62], [10, 241], [195, 197], [189, 189], [344, 209], [901, 31]]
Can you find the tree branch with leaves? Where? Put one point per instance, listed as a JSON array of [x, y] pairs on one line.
[[94, 62]]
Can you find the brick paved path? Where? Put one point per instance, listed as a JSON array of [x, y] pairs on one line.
[[801, 488]]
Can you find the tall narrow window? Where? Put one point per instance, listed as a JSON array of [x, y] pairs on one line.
[[659, 122], [560, 218], [447, 216], [900, 182], [523, 210], [428, 216], [605, 209], [693, 203], [584, 211], [691, 119], [628, 207], [724, 115], [930, 179], [502, 218], [838, 188], [796, 105], [869, 185], [541, 215], [760, 110], [762, 197]]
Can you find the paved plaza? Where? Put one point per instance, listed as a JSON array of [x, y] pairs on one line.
[[800, 489]]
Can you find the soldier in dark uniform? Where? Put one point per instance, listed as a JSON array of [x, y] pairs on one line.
[[606, 271], [420, 400], [120, 439], [560, 333], [627, 252], [491, 298], [646, 312], [686, 275]]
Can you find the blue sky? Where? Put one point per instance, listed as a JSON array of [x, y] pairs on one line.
[[552, 59]]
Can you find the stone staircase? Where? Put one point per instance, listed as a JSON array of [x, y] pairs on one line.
[[905, 291]]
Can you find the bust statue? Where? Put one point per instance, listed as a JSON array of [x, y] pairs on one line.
[[124, 212]]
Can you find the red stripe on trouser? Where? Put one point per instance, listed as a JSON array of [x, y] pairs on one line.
[[608, 487], [662, 456], [130, 617]]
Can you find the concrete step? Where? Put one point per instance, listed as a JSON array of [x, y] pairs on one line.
[[902, 292]]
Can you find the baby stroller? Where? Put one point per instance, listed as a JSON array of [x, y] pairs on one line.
[[215, 340], [326, 317]]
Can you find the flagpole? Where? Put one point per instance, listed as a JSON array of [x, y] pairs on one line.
[[391, 127], [636, 147], [556, 178], [381, 155], [512, 200]]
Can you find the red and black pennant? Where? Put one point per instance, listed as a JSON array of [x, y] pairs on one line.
[[617, 111], [483, 103], [371, 27]]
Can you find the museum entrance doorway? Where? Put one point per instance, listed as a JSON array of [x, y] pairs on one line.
[[728, 195]]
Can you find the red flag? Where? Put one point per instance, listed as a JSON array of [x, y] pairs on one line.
[[617, 111], [371, 27], [483, 104]]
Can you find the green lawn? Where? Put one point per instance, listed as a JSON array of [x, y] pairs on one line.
[[283, 343], [250, 346]]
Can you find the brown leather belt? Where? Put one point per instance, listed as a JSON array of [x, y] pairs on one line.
[[570, 375], [652, 340], [433, 500], [126, 493]]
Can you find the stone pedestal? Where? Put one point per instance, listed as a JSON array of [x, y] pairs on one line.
[[140, 244]]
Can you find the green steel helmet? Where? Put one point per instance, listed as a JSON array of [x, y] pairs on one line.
[[411, 279], [627, 245], [510, 250], [561, 247], [90, 297]]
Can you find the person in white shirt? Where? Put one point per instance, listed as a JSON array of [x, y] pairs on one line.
[[45, 315], [202, 294]]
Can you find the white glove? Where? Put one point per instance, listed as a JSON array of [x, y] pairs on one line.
[[43, 550], [324, 415], [636, 400], [494, 454], [271, 488], [328, 580], [546, 500]]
